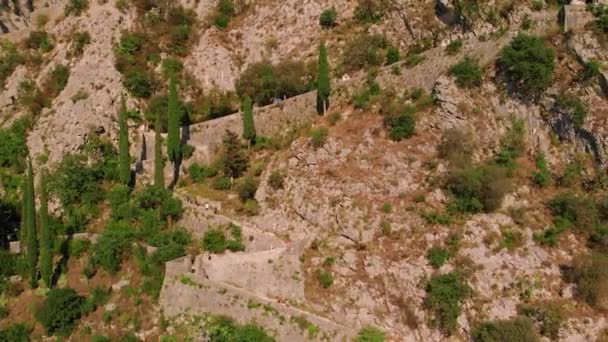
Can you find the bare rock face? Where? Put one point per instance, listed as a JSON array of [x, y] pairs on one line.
[[65, 126]]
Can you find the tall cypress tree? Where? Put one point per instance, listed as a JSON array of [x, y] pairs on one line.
[[323, 82], [46, 235], [124, 159], [173, 119], [30, 228], [249, 133], [159, 162]]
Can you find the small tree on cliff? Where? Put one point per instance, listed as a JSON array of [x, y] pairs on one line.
[[323, 82], [173, 120], [46, 235], [159, 161], [124, 159], [249, 133], [31, 250]]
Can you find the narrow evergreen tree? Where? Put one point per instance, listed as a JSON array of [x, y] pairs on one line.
[[31, 252], [173, 119], [124, 159], [46, 235], [249, 133], [159, 162], [323, 82]]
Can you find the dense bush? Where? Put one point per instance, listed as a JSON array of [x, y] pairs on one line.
[[527, 64], [9, 59], [591, 69], [467, 73], [445, 294], [31, 98], [79, 41], [478, 189], [513, 144], [370, 334], [180, 22], [371, 11], [224, 329], [216, 241], [437, 256], [199, 173], [171, 67], [225, 11], [263, 82], [325, 278], [364, 51], [542, 176], [590, 274], [402, 125], [548, 316], [516, 329], [57, 81], [15, 333], [160, 200], [139, 83], [454, 47], [318, 137], [59, 311], [76, 7], [73, 182], [247, 188], [327, 19], [579, 211], [276, 180], [13, 149], [39, 40], [574, 107], [234, 156], [109, 250]]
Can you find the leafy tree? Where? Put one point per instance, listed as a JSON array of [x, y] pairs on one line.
[[159, 159], [46, 234], [249, 133], [15, 333], [30, 228], [173, 115], [124, 170], [75, 183], [527, 64], [234, 158], [109, 250], [60, 310], [323, 82]]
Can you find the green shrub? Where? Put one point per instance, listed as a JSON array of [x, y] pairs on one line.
[[401, 126], [512, 238], [215, 240], [467, 73], [57, 81], [224, 329], [364, 51], [578, 210], [591, 70], [549, 236], [15, 333], [31, 98], [457, 147], [225, 11], [139, 83], [171, 67], [76, 7], [370, 11], [549, 316], [515, 329], [235, 160], [264, 82], [542, 176], [247, 188], [327, 19], [392, 55], [590, 274], [276, 180], [77, 248], [10, 58], [114, 242], [527, 65], [445, 294], [39, 40], [13, 149], [59, 311], [75, 183], [454, 47], [222, 183], [325, 278], [478, 189], [79, 41], [318, 137], [370, 334], [602, 23], [437, 256], [574, 107]]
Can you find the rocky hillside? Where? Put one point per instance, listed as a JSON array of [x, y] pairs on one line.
[[340, 170]]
